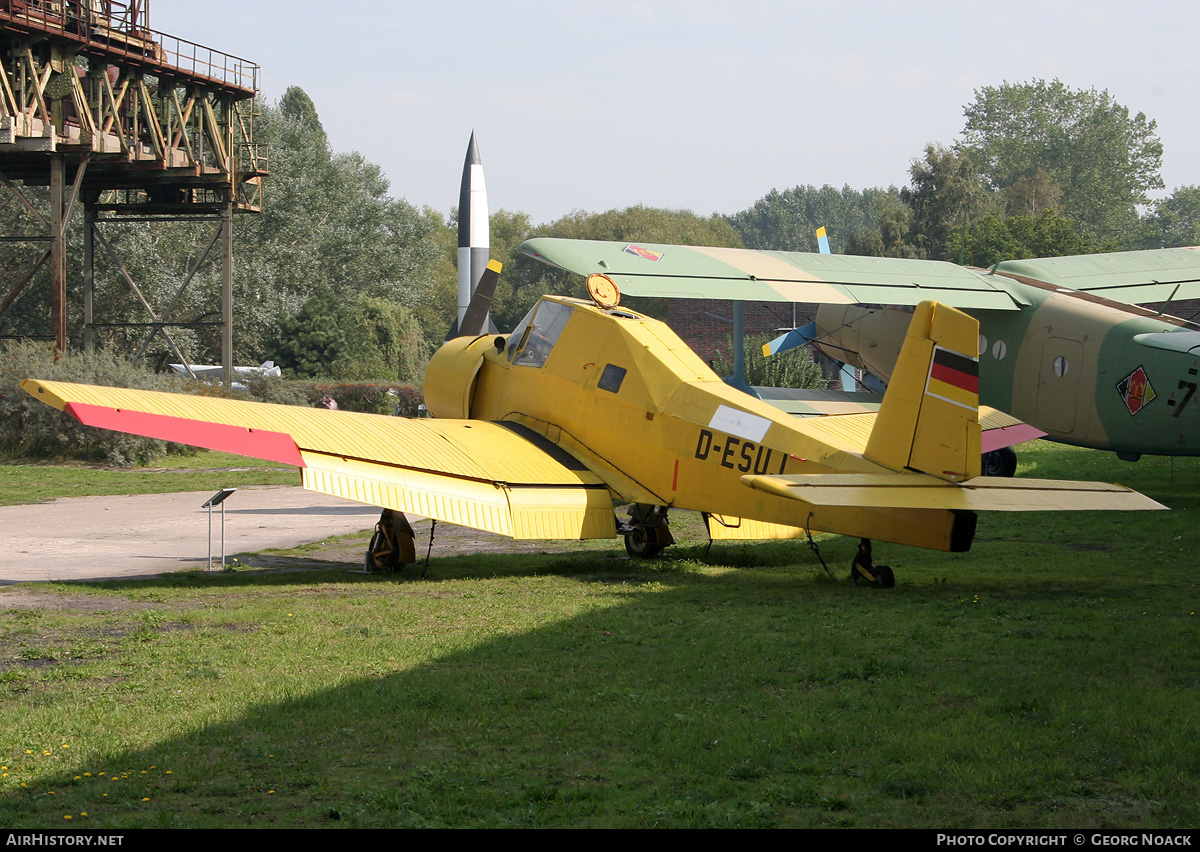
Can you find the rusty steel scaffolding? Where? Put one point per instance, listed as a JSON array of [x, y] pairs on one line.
[[133, 125]]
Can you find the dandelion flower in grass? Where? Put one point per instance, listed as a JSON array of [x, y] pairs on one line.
[[66, 816], [87, 775], [145, 798], [83, 813]]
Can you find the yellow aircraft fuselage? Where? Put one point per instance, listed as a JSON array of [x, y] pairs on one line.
[[622, 393]]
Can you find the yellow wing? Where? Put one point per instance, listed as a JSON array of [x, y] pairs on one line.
[[498, 477], [982, 493]]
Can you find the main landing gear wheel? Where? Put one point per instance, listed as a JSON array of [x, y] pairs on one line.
[[642, 542], [646, 532], [1001, 462], [392, 544], [863, 570]]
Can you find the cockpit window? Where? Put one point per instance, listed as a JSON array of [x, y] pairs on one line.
[[531, 341]]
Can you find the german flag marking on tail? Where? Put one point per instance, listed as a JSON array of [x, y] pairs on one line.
[[954, 378]]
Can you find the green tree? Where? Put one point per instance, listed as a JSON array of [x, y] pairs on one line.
[[787, 220], [946, 192], [792, 369], [1103, 159], [531, 279], [996, 238], [1174, 221], [360, 339], [892, 237]]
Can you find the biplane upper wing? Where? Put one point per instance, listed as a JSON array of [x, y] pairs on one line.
[[696, 272], [1133, 277], [498, 477]]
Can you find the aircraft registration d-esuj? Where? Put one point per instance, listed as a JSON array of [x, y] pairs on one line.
[[1063, 346], [535, 435]]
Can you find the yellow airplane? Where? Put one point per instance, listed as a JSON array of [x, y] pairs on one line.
[[537, 433]]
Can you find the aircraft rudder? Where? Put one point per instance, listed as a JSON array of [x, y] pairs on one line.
[[929, 418]]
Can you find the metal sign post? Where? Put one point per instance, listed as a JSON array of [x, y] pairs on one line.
[[217, 499]]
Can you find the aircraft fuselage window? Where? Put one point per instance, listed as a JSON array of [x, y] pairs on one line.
[[611, 378], [534, 337]]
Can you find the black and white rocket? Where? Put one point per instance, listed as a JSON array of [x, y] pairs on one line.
[[473, 242]]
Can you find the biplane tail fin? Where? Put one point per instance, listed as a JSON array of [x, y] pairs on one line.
[[929, 418]]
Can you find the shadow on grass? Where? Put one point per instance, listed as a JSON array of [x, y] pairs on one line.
[[688, 696]]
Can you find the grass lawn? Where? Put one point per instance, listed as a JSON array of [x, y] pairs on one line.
[[36, 483], [1049, 678]]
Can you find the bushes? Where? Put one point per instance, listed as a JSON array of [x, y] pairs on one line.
[[29, 428], [369, 398]]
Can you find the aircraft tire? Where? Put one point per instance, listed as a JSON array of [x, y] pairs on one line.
[[1001, 462], [642, 543], [884, 577]]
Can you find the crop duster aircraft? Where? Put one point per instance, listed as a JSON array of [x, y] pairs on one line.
[[1063, 344], [537, 433]]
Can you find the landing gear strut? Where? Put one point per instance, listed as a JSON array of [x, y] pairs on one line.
[[862, 569], [392, 544], [646, 531]]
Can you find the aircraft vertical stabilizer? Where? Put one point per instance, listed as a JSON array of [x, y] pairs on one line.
[[929, 419]]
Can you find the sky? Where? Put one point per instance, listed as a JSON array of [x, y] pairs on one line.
[[588, 105]]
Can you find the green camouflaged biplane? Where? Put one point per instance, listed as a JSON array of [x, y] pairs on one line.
[[1064, 345]]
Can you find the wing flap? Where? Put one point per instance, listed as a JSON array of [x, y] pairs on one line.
[[982, 493], [524, 512]]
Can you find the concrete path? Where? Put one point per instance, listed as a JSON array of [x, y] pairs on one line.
[[91, 538]]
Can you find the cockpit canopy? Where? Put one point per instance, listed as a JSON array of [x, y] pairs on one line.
[[531, 341]]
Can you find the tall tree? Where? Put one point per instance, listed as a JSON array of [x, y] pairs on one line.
[[530, 278], [946, 193], [1174, 221], [1103, 159], [787, 220]]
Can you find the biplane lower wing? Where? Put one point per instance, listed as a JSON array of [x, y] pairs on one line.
[[497, 477]]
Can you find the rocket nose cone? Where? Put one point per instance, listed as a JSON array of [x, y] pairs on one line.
[[472, 152]]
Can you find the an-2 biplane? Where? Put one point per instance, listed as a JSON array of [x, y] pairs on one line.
[[536, 434], [1064, 345]]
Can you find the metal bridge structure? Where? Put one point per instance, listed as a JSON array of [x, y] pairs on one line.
[[131, 125]]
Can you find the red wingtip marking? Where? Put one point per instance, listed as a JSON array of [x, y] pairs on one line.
[[261, 444]]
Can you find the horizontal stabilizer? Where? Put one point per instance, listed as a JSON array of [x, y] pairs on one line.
[[1187, 342], [983, 493]]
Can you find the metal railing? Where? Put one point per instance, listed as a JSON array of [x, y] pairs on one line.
[[121, 28]]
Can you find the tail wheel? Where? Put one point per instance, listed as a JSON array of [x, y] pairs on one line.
[[1001, 462], [642, 542], [863, 570]]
